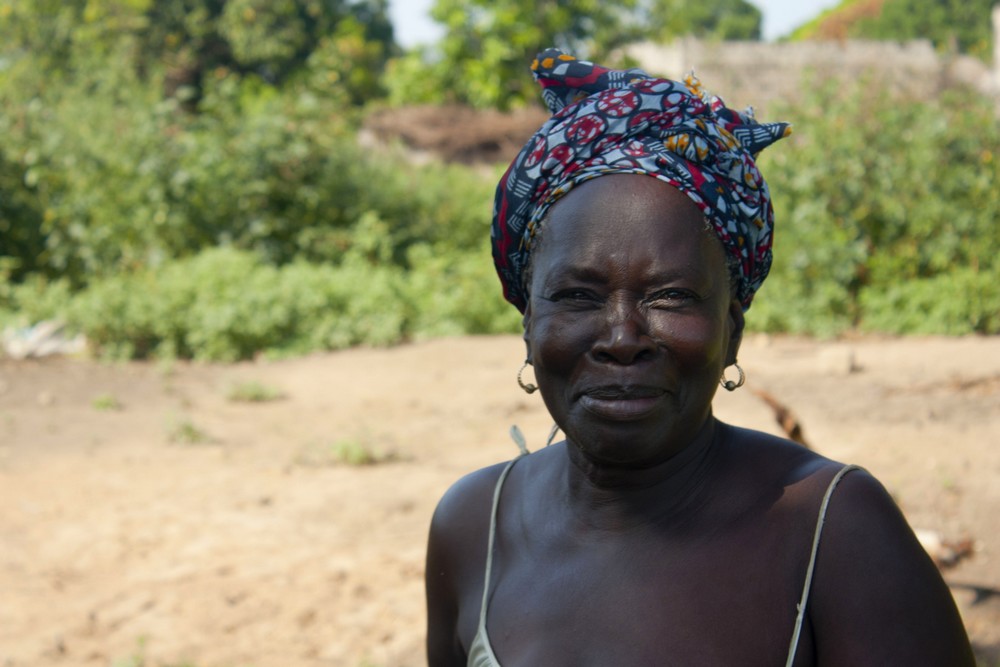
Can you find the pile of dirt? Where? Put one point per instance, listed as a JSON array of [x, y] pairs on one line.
[[457, 133]]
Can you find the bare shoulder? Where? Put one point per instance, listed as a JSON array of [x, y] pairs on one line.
[[464, 509], [766, 460], [456, 554], [877, 598]]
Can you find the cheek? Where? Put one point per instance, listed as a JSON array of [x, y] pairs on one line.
[[558, 344], [551, 339], [693, 341]]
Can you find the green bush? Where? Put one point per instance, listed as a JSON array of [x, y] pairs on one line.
[[100, 185], [950, 25], [953, 303], [458, 293], [879, 202], [259, 222], [226, 304]]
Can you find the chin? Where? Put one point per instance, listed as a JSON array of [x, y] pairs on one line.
[[632, 444], [628, 442]]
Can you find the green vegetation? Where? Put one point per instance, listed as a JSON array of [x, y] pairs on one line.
[[347, 451], [962, 26], [106, 403], [886, 216], [138, 658], [238, 213], [225, 304], [482, 58], [708, 19], [188, 43], [254, 392], [142, 661], [356, 453], [954, 25], [183, 431]]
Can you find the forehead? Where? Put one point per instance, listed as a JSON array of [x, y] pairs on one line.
[[630, 218]]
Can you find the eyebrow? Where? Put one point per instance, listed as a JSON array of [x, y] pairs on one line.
[[575, 272], [586, 274]]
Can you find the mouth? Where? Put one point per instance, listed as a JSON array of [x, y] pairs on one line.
[[622, 403]]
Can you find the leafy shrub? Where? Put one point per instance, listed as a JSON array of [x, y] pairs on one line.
[[458, 293], [261, 223], [226, 304], [953, 303], [101, 174], [879, 202]]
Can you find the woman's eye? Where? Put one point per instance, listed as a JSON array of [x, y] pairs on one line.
[[669, 297], [572, 294]]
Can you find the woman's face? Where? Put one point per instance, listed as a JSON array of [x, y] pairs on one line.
[[630, 320]]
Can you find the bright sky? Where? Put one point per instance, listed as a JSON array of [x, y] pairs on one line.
[[414, 26]]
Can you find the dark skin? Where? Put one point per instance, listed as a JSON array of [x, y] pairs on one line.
[[656, 535]]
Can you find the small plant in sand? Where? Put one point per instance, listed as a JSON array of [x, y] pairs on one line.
[[346, 451], [254, 392], [141, 661], [139, 658], [106, 403], [183, 431]]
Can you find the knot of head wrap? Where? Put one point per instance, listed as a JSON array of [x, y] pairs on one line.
[[627, 122]]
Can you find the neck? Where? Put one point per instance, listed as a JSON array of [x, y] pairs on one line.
[[613, 498]]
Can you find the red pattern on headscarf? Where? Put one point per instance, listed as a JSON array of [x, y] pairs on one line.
[[626, 121]]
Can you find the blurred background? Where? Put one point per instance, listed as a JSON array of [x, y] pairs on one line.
[[160, 156]]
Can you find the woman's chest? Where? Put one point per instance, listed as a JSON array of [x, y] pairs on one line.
[[724, 598]]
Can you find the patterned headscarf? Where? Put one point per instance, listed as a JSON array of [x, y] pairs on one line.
[[628, 122]]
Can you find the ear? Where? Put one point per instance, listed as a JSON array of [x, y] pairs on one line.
[[526, 334], [736, 324]]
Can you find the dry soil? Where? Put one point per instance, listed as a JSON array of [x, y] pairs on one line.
[[146, 518]]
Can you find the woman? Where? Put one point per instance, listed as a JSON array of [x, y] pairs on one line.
[[632, 232]]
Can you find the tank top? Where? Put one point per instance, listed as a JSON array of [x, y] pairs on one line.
[[481, 651]]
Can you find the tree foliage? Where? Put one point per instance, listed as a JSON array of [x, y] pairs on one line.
[[238, 211], [962, 25], [102, 171], [886, 213], [707, 19], [187, 41], [951, 25], [484, 55]]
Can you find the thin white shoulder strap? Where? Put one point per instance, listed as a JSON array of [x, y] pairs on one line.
[[489, 548], [812, 562]]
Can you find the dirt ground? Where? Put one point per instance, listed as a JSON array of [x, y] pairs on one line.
[[146, 518]]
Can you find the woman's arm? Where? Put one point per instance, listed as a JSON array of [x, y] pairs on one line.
[[456, 562], [443, 646], [877, 598]]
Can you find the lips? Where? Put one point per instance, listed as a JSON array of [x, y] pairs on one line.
[[622, 403]]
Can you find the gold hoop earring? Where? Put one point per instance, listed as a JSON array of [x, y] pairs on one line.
[[729, 385], [528, 388]]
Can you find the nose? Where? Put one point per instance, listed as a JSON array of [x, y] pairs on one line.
[[625, 339]]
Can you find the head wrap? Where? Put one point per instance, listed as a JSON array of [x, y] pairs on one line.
[[628, 122]]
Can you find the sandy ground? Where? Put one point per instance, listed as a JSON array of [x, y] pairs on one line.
[[148, 519]]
